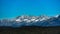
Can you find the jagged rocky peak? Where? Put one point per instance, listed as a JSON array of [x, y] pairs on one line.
[[28, 18], [56, 16], [23, 16]]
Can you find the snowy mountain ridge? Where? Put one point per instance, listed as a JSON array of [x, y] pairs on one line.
[[31, 20], [34, 18]]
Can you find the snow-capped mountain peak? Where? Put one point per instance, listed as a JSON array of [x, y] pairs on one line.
[[56, 16], [32, 18]]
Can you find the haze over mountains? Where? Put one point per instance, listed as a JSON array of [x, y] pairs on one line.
[[26, 20]]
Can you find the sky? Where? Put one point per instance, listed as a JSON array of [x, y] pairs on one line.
[[13, 8]]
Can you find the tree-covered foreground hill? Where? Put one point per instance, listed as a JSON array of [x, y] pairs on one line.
[[30, 30]]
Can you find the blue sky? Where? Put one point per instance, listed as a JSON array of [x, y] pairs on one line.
[[13, 8]]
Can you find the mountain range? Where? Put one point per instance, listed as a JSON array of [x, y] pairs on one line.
[[25, 20]]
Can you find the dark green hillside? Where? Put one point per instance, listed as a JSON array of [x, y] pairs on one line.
[[30, 30]]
